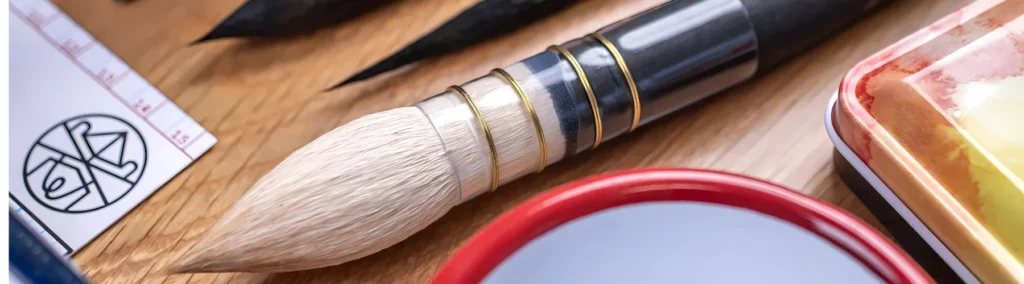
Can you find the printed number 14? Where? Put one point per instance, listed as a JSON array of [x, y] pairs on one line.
[[106, 77], [141, 106]]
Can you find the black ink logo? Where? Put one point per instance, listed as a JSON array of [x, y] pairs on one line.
[[85, 163]]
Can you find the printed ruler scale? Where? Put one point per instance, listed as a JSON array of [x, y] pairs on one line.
[[130, 88], [96, 137]]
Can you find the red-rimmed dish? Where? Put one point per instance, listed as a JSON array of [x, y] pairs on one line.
[[673, 225]]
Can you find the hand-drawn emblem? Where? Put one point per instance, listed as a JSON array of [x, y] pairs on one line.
[[85, 163]]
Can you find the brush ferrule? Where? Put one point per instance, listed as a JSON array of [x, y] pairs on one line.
[[516, 111], [573, 97], [662, 60]]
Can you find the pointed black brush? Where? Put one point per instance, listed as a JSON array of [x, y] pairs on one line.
[[274, 18], [483, 21]]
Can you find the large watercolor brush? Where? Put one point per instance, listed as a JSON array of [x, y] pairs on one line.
[[377, 180]]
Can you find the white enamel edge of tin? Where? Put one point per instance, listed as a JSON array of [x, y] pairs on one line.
[[893, 200]]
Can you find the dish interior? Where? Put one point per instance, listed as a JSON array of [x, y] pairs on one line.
[[680, 242]]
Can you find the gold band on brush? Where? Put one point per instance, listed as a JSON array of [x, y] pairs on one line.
[[625, 71], [487, 133], [533, 115], [598, 128]]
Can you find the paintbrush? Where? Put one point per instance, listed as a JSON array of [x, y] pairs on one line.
[[377, 180], [275, 18], [485, 20]]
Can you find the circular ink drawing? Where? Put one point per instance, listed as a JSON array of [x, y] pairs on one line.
[[85, 163]]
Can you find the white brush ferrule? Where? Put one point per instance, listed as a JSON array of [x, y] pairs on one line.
[[510, 123]]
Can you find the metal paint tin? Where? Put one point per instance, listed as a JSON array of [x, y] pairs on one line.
[[932, 129]]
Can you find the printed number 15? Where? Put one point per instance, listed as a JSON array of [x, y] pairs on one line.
[[179, 137]]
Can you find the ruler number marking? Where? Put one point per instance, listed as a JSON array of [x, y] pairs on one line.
[[106, 75], [180, 137], [141, 106], [74, 48]]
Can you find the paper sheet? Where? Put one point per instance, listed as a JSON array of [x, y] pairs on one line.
[[90, 139]]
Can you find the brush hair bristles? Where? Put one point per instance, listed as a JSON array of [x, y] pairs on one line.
[[378, 180], [278, 18], [352, 192], [484, 21]]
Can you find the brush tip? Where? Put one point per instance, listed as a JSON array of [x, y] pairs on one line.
[[200, 261], [208, 37], [400, 59], [182, 267], [252, 19], [352, 192], [190, 262], [350, 80], [231, 29]]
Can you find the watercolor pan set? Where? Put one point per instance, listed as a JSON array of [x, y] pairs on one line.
[[929, 134]]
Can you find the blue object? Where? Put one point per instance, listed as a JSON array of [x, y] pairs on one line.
[[32, 261]]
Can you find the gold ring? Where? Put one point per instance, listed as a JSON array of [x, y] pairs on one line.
[[533, 114], [487, 134], [625, 71], [598, 129]]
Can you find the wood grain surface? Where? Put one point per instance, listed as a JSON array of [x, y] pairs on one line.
[[264, 98]]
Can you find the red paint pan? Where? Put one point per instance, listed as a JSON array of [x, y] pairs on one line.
[[678, 226]]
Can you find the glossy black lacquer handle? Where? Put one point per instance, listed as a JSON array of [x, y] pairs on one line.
[[686, 50]]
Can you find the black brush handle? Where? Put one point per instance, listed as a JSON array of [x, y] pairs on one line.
[[684, 51], [787, 27], [594, 88]]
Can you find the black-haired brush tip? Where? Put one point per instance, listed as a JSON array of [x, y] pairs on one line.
[[483, 21], [277, 18]]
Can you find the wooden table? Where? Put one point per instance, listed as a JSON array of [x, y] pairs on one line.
[[263, 99]]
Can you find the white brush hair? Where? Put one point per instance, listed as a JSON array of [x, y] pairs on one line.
[[379, 179], [352, 192]]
